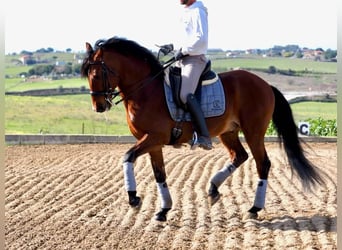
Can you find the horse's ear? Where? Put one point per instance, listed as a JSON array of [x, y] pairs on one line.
[[89, 48]]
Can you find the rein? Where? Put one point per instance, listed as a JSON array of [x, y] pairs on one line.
[[110, 94]]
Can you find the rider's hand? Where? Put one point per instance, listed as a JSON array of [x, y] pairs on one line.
[[166, 49], [178, 55]]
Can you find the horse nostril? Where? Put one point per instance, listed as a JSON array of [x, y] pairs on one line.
[[100, 108]]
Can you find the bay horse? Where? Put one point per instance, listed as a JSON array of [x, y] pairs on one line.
[[122, 68]]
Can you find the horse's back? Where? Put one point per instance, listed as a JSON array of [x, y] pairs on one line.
[[242, 84], [247, 94]]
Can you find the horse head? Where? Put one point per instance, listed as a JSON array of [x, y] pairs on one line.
[[102, 79], [118, 63]]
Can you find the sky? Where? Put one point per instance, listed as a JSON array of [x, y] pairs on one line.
[[233, 24]]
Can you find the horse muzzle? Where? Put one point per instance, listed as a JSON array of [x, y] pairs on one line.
[[101, 107]]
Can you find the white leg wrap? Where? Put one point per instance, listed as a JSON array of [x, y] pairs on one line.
[[223, 174], [260, 194], [129, 177], [166, 201]]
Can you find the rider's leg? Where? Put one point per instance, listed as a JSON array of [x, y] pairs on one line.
[[192, 68], [195, 110]]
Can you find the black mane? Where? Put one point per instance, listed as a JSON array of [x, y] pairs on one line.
[[127, 48]]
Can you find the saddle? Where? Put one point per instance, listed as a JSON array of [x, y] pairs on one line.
[[175, 78], [209, 93]]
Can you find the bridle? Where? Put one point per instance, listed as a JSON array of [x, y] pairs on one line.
[[110, 93]]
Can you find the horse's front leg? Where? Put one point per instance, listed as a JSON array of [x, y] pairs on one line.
[[147, 144], [141, 147], [130, 183], [158, 166]]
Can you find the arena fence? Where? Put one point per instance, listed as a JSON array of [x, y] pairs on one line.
[[30, 139]]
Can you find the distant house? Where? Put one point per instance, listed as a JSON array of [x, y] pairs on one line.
[[27, 59], [78, 58], [313, 54], [60, 63], [251, 51]]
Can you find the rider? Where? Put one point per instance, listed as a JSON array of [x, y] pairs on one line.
[[192, 61]]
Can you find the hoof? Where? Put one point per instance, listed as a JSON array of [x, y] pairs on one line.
[[135, 201], [213, 198], [161, 215], [250, 215], [214, 195]]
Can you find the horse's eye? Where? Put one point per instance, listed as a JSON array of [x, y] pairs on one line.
[[94, 74]]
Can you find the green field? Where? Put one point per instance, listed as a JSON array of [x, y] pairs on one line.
[[280, 63], [17, 84], [314, 110], [72, 114], [60, 115]]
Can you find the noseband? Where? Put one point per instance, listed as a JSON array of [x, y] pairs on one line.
[[107, 92]]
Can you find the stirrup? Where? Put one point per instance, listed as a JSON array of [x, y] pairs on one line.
[[200, 142], [194, 141]]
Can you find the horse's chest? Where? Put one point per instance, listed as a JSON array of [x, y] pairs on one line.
[[137, 116], [131, 116]]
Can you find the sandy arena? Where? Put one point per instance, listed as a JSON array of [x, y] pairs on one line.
[[72, 197]]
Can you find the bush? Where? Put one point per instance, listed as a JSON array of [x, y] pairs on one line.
[[318, 127], [272, 70], [271, 130], [321, 127]]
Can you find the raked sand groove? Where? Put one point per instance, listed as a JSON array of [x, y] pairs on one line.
[[72, 197]]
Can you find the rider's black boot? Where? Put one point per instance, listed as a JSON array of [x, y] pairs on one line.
[[203, 140]]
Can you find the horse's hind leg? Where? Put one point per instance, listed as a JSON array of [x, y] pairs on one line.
[[263, 165], [237, 156]]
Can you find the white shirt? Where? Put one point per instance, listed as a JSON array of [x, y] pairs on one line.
[[194, 40]]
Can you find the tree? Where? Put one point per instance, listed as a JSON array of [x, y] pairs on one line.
[[330, 54], [41, 70], [67, 69], [25, 52], [77, 69], [42, 50]]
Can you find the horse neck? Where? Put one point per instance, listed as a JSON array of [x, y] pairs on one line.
[[136, 80], [133, 73], [142, 95]]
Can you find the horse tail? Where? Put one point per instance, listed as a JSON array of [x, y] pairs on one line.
[[288, 133]]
